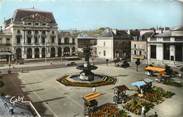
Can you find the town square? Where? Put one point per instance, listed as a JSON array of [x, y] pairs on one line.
[[52, 66]]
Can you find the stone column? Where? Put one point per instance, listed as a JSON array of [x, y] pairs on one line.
[[62, 54], [33, 52], [47, 52], [23, 52], [40, 52], [70, 51], [56, 51], [172, 52]]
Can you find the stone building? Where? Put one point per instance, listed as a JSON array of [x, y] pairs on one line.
[[35, 35], [5, 46], [67, 44], [166, 47], [114, 44]]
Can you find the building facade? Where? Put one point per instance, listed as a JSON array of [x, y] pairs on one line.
[[138, 50], [84, 41], [166, 47], [5, 46], [114, 44], [35, 35], [67, 44]]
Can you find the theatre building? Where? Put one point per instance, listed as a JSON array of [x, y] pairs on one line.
[[35, 35]]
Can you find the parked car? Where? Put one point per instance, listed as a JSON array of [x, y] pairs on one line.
[[71, 64], [125, 64]]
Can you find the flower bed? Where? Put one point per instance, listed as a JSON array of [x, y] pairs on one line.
[[173, 83], [157, 95], [135, 105], [108, 110], [108, 81]]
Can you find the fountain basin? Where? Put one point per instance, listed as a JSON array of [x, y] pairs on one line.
[[74, 80]]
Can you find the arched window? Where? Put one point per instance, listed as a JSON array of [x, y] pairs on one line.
[[29, 53], [52, 52]]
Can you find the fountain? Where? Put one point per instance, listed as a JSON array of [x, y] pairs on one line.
[[86, 78], [86, 68]]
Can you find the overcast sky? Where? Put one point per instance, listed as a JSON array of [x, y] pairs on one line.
[[90, 14]]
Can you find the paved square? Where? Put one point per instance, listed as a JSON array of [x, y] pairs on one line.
[[57, 100]]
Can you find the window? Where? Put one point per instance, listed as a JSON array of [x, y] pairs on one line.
[[104, 53], [18, 40], [53, 32], [166, 51], [36, 32], [153, 51], [18, 31], [8, 40], [66, 40], [134, 45], [104, 44], [59, 41], [29, 32], [135, 52], [43, 40], [43, 32], [29, 40], [53, 40], [36, 40], [36, 24], [140, 52], [44, 24], [0, 40], [29, 23]]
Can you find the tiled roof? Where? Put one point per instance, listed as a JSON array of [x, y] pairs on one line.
[[23, 13]]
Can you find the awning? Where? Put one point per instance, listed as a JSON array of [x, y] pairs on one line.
[[5, 53], [138, 83]]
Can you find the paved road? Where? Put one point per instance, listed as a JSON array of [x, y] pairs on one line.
[[39, 66]]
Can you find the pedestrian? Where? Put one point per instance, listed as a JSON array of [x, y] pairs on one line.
[[94, 89], [107, 61], [143, 112], [155, 115], [11, 110]]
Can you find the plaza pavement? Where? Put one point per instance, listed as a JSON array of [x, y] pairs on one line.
[[57, 100]]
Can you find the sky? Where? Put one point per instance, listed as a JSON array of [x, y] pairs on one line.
[[91, 14]]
